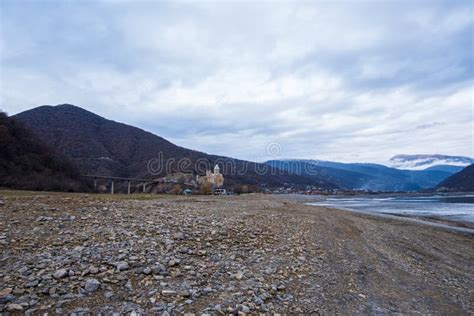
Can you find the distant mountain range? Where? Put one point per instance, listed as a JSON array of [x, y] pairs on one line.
[[461, 181], [103, 147], [435, 162], [366, 176], [27, 163]]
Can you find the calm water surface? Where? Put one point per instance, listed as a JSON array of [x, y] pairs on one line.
[[449, 207]]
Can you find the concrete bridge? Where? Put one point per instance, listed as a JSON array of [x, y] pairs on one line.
[[113, 179]]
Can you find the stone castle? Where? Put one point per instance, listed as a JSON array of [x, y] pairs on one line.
[[214, 179]]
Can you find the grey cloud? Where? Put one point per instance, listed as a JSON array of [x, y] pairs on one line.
[[325, 80]]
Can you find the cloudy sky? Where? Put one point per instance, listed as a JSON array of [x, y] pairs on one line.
[[345, 81]]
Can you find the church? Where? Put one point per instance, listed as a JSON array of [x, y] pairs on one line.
[[214, 179]]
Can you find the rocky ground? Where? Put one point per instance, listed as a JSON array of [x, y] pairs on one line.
[[89, 254]]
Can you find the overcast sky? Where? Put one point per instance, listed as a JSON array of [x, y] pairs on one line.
[[346, 81]]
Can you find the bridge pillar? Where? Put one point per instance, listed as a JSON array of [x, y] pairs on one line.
[[112, 187], [128, 183], [144, 187], [95, 184]]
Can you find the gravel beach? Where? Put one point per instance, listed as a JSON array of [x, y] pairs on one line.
[[146, 254]]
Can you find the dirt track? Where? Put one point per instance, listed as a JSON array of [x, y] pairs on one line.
[[254, 253]]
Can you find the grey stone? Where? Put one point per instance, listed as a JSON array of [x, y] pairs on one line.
[[6, 298], [168, 292], [14, 307], [93, 270], [239, 275], [91, 285], [122, 266], [61, 273], [25, 271], [129, 285], [185, 294], [158, 269], [32, 283], [32, 311], [178, 235], [245, 309]]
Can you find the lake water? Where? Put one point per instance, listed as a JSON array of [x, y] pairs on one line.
[[450, 207]]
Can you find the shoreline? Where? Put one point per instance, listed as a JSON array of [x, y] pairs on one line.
[[433, 221], [442, 222]]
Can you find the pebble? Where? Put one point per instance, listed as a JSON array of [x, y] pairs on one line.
[[245, 309], [93, 270], [91, 285], [6, 298], [108, 294], [179, 236], [239, 275], [32, 284], [6, 291], [129, 285], [61, 273], [14, 307], [122, 266], [168, 292], [185, 294]]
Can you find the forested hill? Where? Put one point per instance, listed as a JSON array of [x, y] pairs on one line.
[[462, 181], [27, 163]]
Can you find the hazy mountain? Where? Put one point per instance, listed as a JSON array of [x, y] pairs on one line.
[[27, 163], [365, 176], [462, 181], [422, 162], [104, 147], [448, 168]]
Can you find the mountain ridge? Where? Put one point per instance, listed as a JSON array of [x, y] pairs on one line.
[[462, 181], [365, 176], [105, 147]]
